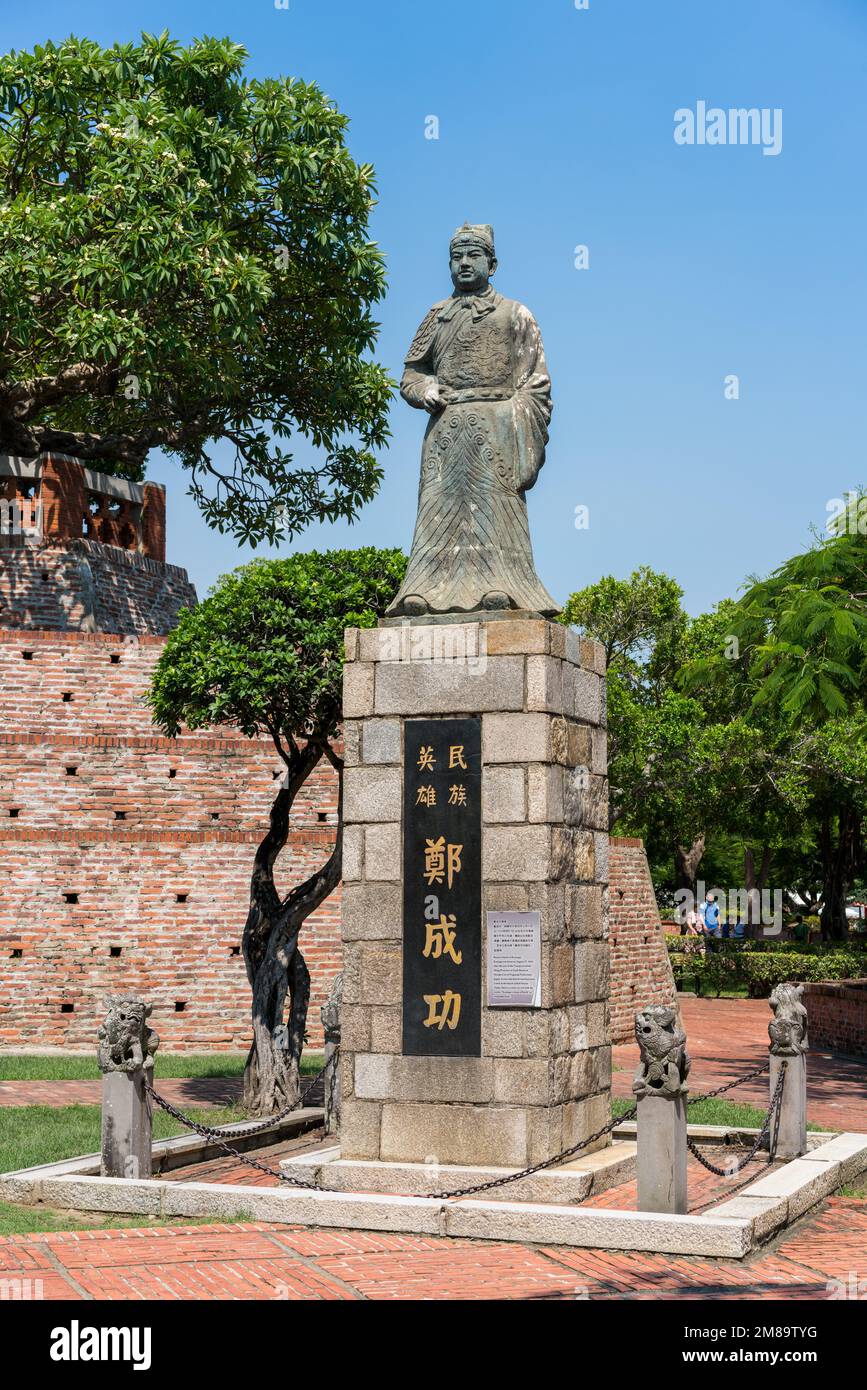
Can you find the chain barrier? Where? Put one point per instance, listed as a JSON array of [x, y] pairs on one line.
[[218, 1137], [773, 1116]]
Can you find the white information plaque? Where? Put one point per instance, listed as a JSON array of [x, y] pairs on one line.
[[514, 960]]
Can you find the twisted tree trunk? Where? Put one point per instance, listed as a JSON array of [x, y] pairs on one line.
[[840, 864], [275, 966]]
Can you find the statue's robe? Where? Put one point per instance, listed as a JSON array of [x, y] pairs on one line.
[[480, 454]]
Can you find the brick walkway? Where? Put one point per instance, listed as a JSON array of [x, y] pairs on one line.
[[259, 1261], [194, 1091]]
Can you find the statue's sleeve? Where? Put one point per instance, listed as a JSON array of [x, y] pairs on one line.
[[418, 373], [531, 403]]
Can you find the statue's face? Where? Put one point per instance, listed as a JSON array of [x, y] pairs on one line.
[[470, 266]]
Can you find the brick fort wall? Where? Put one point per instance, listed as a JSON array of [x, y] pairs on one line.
[[640, 966], [125, 857]]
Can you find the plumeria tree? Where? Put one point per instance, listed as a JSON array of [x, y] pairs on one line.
[[264, 653], [185, 265]]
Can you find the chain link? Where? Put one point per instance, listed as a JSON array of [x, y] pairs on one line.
[[773, 1115], [217, 1136]]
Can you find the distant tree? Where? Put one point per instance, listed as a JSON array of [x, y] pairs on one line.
[[802, 636], [185, 265], [264, 652]]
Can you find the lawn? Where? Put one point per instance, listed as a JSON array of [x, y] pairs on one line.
[[62, 1067], [31, 1134], [713, 1112]]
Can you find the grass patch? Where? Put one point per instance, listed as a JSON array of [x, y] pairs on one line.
[[59, 1067], [16, 1220], [712, 1112], [31, 1134]]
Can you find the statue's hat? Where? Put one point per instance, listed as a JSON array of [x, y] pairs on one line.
[[481, 232]]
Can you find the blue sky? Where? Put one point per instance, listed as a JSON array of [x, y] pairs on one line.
[[556, 125]]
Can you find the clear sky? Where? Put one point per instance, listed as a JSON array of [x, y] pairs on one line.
[[556, 124]]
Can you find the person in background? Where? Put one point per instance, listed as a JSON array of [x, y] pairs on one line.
[[801, 930], [726, 928], [740, 930], [694, 931], [711, 919]]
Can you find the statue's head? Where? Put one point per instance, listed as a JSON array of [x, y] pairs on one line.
[[472, 259]]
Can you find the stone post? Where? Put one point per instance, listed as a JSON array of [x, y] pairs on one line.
[[126, 1057], [660, 1086], [788, 1034], [330, 1015]]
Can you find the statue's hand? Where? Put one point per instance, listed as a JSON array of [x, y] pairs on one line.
[[432, 399]]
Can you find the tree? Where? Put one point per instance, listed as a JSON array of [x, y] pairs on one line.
[[264, 653], [184, 264], [803, 644]]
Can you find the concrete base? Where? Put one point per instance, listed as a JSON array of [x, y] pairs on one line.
[[729, 1231], [567, 1185], [662, 1154]]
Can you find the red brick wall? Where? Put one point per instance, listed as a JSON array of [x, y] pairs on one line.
[[193, 833], [837, 1016], [640, 967], [83, 585]]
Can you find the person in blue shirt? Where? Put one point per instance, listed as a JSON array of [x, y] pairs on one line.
[[711, 918], [740, 930]]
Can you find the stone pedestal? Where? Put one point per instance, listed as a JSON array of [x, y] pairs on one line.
[[662, 1154], [792, 1133], [541, 1079], [126, 1125]]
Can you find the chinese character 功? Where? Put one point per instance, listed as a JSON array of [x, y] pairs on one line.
[[427, 796], [456, 756], [441, 860], [440, 939], [448, 1013], [426, 759], [458, 795]]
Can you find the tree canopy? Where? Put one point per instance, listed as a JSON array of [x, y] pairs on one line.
[[185, 264]]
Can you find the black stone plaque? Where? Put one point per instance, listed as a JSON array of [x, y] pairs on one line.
[[442, 888]]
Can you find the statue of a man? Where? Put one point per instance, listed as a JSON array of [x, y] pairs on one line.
[[478, 366]]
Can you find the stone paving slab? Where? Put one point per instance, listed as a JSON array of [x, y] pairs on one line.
[[260, 1261]]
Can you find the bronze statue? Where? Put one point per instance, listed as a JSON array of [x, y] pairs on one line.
[[478, 366]]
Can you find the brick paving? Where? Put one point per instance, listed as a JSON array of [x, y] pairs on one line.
[[266, 1262], [193, 1090]]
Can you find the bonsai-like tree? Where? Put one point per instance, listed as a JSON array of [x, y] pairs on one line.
[[264, 652], [185, 265]]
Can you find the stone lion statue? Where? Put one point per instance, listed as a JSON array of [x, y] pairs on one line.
[[664, 1063], [788, 1028], [126, 1041]]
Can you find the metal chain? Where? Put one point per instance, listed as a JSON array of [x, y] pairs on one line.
[[538, 1167], [216, 1136], [773, 1114], [207, 1133]]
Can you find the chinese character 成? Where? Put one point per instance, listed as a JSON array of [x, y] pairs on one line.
[[441, 860], [456, 756], [427, 796], [426, 759], [449, 1010], [440, 939], [458, 795]]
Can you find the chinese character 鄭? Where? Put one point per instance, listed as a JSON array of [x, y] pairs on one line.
[[440, 939], [449, 1010], [441, 860]]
